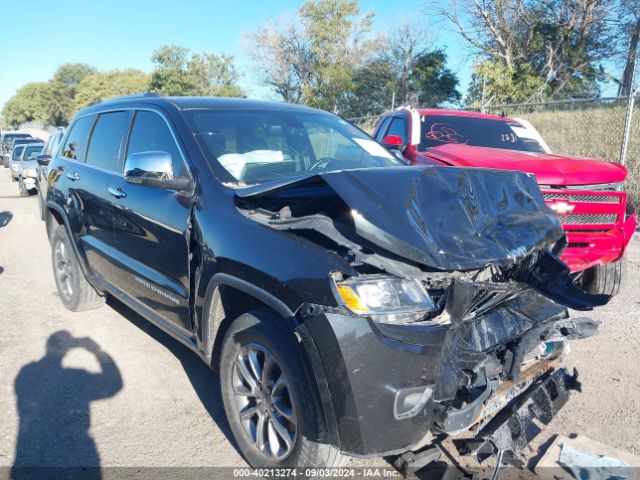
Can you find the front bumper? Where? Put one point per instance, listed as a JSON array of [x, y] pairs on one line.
[[385, 387], [29, 183], [598, 224], [364, 378]]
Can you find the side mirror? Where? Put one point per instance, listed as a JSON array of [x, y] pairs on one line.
[[43, 159], [152, 169], [393, 142]]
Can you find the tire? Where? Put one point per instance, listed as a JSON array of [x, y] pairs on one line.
[[75, 291], [14, 179], [605, 279], [41, 206], [23, 190], [264, 335]]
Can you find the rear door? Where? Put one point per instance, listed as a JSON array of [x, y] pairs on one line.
[[91, 156], [151, 227]]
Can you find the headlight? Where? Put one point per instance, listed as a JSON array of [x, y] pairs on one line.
[[29, 172], [392, 299]]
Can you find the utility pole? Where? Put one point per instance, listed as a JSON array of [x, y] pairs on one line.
[[393, 100], [627, 121]]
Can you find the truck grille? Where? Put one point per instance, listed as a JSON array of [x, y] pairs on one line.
[[587, 219], [572, 197]]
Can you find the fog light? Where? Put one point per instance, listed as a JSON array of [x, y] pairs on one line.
[[410, 401]]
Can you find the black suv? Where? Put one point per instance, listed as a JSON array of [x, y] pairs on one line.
[[353, 306]]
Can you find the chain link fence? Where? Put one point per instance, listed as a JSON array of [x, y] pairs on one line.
[[593, 127]]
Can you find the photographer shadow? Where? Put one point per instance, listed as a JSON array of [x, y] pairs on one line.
[[54, 408]]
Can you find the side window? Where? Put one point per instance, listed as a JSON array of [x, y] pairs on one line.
[[76, 142], [151, 133], [106, 140], [383, 128], [398, 127]]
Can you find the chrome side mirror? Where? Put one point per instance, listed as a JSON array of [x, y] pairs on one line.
[[153, 169]]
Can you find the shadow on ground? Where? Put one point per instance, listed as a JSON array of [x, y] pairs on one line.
[[204, 381], [54, 410], [5, 218]]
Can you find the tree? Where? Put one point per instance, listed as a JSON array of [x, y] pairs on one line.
[[100, 86], [432, 81], [629, 30], [64, 85], [32, 102], [561, 41], [495, 83], [313, 58], [177, 72]]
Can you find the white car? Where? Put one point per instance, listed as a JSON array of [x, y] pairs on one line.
[[24, 168]]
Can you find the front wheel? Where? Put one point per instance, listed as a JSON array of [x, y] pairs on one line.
[[267, 398], [604, 279]]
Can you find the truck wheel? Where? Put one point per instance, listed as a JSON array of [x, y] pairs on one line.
[[267, 397], [23, 189], [605, 279], [75, 292], [41, 206]]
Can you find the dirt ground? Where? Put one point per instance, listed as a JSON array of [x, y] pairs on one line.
[[132, 396]]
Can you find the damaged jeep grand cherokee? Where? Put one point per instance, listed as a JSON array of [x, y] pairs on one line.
[[352, 306]]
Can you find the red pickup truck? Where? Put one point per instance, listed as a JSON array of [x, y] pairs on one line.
[[586, 194]]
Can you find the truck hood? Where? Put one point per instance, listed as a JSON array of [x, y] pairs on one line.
[[441, 217], [549, 169]]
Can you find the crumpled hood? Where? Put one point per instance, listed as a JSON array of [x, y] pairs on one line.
[[442, 217], [549, 169]]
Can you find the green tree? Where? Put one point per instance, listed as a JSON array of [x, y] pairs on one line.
[[432, 82], [32, 102], [64, 86], [313, 58], [100, 86], [495, 83], [177, 72]]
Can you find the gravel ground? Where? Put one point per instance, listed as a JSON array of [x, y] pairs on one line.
[[154, 403]]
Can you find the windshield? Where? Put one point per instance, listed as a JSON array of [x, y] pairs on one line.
[[32, 150], [476, 131], [250, 147]]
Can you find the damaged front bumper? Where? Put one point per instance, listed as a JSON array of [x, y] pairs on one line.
[[385, 387]]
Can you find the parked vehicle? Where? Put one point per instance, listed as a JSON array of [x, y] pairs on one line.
[[28, 156], [14, 161], [6, 141], [586, 194], [352, 305], [27, 168], [42, 167]]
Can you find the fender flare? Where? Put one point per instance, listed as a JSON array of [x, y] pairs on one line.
[[49, 205], [210, 328]]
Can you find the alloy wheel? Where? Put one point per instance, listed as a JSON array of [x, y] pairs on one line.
[[263, 401], [63, 269]]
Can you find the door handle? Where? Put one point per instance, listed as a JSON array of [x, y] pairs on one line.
[[73, 176], [117, 192]]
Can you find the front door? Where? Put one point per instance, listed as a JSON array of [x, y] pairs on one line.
[[152, 228]]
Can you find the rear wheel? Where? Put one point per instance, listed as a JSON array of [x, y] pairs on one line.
[[604, 279], [267, 397], [75, 291]]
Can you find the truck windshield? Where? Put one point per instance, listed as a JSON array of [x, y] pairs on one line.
[[250, 147], [476, 131]]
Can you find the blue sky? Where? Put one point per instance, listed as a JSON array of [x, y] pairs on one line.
[[123, 34]]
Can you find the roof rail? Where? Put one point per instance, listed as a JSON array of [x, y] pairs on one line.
[[135, 95]]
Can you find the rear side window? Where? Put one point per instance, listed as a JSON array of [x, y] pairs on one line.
[[151, 133], [76, 142], [106, 140]]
